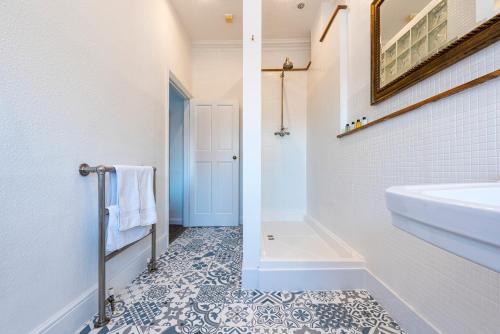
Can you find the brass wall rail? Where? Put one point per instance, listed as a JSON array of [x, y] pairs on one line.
[[292, 70], [329, 24], [437, 97]]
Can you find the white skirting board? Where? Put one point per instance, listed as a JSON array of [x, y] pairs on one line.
[[402, 312], [83, 308]]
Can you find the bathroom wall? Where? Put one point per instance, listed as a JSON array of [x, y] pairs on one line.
[[454, 140], [284, 158], [81, 81], [461, 17], [217, 74]]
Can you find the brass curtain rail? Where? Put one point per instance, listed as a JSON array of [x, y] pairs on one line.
[[437, 97], [292, 70], [329, 24]]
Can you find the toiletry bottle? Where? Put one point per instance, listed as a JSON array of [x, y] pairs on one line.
[[364, 121], [353, 126], [347, 128], [358, 123]]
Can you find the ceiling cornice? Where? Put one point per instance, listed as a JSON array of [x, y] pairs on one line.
[[292, 43], [217, 44], [269, 44]]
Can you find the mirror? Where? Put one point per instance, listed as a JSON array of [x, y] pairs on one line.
[[412, 40]]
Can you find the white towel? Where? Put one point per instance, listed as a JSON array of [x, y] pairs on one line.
[[116, 239], [146, 196], [131, 206], [132, 191]]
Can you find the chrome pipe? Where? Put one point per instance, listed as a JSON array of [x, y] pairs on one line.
[[152, 265], [101, 171], [282, 96], [85, 169], [283, 131], [111, 255], [102, 320]]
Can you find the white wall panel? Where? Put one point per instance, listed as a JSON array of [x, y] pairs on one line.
[[454, 140], [81, 81]]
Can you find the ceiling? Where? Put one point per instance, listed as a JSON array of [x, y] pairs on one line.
[[394, 15], [204, 19]]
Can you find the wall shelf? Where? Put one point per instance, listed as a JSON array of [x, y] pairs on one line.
[[450, 92]]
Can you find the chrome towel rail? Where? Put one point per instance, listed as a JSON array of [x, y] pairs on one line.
[[101, 171]]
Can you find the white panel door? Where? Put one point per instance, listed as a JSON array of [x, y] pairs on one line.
[[214, 181]]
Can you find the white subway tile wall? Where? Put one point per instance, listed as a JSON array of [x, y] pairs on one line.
[[454, 140]]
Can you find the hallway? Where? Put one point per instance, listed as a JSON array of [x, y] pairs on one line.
[[197, 290]]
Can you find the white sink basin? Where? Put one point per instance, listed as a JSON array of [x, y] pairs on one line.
[[461, 218]]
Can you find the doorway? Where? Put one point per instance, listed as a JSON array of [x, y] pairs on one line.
[[214, 163], [178, 160], [203, 163]]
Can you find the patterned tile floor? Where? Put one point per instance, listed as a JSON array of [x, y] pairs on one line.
[[197, 290]]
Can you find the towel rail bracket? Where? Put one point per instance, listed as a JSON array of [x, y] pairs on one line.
[[83, 169]]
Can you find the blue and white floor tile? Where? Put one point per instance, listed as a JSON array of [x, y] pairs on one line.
[[197, 289]]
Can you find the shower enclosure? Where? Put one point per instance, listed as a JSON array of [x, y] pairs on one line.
[[297, 252]]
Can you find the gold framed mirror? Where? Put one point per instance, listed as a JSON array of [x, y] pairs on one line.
[[412, 40]]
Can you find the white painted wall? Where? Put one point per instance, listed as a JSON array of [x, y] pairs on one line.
[[218, 66], [454, 140], [81, 81], [462, 17], [251, 141], [217, 75], [176, 155], [284, 159], [218, 71], [178, 44]]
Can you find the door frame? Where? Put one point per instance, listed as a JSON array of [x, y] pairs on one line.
[[186, 220], [236, 103], [184, 92]]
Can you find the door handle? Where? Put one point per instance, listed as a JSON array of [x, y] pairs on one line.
[[235, 157]]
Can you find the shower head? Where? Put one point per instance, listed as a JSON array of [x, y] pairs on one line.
[[287, 65]]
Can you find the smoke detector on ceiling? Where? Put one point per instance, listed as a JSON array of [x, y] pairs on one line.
[[301, 5]]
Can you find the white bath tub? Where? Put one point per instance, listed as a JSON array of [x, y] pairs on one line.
[[306, 256]]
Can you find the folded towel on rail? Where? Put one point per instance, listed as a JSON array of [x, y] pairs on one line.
[[116, 239], [131, 190], [146, 196]]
